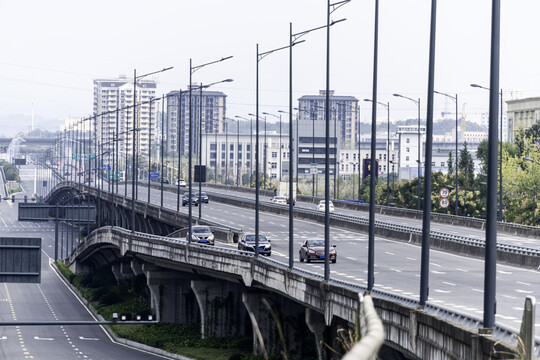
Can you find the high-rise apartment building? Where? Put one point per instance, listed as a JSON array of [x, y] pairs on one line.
[[212, 108], [114, 110], [311, 130]]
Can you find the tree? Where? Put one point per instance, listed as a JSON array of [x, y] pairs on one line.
[[450, 163], [532, 134], [482, 155], [466, 166]]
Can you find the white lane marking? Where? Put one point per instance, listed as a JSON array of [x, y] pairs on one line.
[[410, 258], [478, 290], [389, 253], [44, 339], [443, 291], [3, 338], [350, 258], [449, 283], [523, 283], [510, 297], [434, 264], [396, 270], [438, 272], [88, 339], [522, 291], [462, 270], [504, 272]]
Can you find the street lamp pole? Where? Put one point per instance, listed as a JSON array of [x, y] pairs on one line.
[[387, 106], [500, 147], [193, 69], [133, 177], [455, 99], [259, 57], [417, 102]]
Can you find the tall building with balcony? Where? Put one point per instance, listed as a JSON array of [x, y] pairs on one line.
[[114, 111], [211, 105], [311, 130]]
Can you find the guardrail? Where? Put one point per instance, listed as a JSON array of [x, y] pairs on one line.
[[511, 254], [510, 228]]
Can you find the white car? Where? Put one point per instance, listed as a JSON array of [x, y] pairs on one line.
[[321, 206], [180, 182], [279, 200]]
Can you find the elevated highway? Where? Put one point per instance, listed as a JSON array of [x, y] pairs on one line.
[[456, 281]]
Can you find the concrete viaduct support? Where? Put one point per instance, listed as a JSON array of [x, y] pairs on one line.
[[171, 296], [220, 308]]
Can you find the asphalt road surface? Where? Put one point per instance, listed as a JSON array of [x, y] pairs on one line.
[[51, 300]]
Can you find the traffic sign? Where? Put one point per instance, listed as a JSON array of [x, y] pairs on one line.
[[444, 192], [106, 167], [154, 175], [313, 168], [444, 203]]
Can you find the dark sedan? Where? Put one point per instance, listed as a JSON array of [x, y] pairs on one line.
[[204, 198], [247, 243], [194, 199], [314, 250]]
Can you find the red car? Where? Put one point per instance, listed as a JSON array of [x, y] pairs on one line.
[[314, 250]]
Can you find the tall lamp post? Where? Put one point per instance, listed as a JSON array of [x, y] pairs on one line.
[[201, 88], [133, 160], [455, 99], [193, 69], [387, 107], [250, 147], [417, 102], [500, 147], [280, 157]]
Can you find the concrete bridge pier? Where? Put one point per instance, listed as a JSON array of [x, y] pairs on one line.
[[121, 271], [220, 308], [168, 291], [316, 324]]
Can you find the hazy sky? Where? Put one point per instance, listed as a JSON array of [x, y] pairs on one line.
[[52, 50]]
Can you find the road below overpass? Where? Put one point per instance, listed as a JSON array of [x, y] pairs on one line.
[[456, 282], [51, 300]]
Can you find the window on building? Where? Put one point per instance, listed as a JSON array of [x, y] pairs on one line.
[[407, 149], [274, 154], [232, 147], [231, 156], [407, 141], [274, 165], [433, 163], [273, 176], [406, 158], [213, 147], [443, 164], [222, 147]]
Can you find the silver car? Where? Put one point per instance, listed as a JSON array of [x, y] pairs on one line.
[[202, 234]]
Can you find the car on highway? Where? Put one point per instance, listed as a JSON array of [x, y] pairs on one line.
[[180, 182], [194, 199], [247, 243], [204, 197], [321, 206], [314, 250], [164, 181], [279, 200], [202, 234]]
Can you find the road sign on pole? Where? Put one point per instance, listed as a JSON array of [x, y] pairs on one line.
[[154, 175], [444, 203], [444, 192], [313, 168]]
